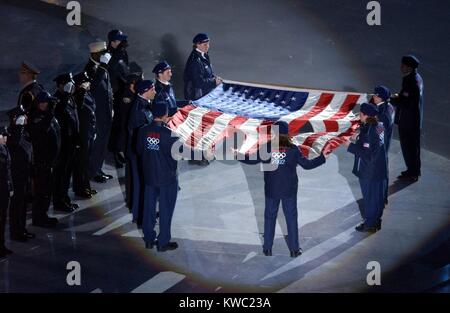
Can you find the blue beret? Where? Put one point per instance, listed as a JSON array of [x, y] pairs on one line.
[[283, 127], [411, 61], [200, 38], [160, 108], [161, 67], [143, 86], [44, 96], [116, 34], [382, 92], [369, 109]]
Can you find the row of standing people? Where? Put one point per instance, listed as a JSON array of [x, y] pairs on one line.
[[62, 140]]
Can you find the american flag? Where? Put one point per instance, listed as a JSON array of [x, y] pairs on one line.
[[319, 120]]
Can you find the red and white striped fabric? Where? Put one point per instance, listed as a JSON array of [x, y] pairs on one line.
[[319, 120]]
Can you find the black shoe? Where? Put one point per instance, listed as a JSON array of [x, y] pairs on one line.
[[19, 237], [378, 227], [360, 227], [267, 252], [64, 208], [408, 176], [100, 179], [296, 253], [107, 176], [29, 235], [92, 191], [170, 246], [365, 229], [150, 245], [85, 194]]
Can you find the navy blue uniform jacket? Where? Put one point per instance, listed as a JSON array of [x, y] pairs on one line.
[[370, 153], [282, 182], [154, 147], [199, 78]]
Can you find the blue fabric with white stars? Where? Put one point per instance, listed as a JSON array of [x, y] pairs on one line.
[[253, 102]]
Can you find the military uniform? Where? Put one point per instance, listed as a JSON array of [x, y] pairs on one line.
[[45, 136], [199, 78], [281, 185], [370, 166], [21, 151], [6, 187], [118, 70], [86, 114], [103, 96], [140, 114], [67, 115], [164, 93], [27, 96], [154, 146]]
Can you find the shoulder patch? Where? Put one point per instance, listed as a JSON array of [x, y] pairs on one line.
[[126, 100]]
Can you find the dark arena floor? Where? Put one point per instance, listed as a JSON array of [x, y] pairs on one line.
[[219, 216]]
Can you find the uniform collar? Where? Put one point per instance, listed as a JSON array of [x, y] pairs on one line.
[[95, 62], [164, 83], [203, 54], [29, 83], [147, 100]]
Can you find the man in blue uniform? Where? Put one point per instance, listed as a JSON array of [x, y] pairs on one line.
[[45, 134], [409, 115], [101, 91], [199, 77], [6, 188], [140, 115], [154, 145], [281, 185], [128, 98], [118, 70], [30, 87], [385, 115], [67, 115], [21, 152], [164, 90], [86, 113], [370, 167]]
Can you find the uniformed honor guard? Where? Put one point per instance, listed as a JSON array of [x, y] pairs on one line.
[[103, 96], [67, 115], [409, 115], [6, 189], [86, 114], [164, 90], [370, 166], [30, 87], [385, 115], [140, 114], [128, 98], [281, 184], [199, 77], [21, 152], [154, 146], [118, 70], [45, 135]]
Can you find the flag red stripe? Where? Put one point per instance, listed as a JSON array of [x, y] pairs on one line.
[[296, 124], [349, 103]]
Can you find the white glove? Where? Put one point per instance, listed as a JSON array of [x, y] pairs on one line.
[[11, 193], [69, 87], [105, 58], [20, 120]]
